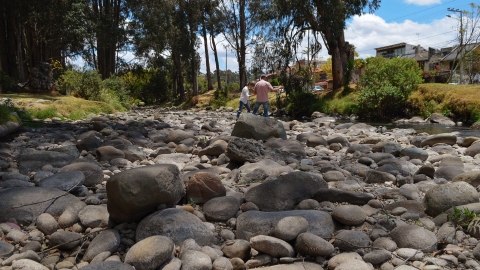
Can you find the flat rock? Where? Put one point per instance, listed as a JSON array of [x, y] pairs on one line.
[[108, 265], [65, 181], [445, 138], [351, 240], [352, 215], [32, 195], [272, 246], [177, 224], [92, 172], [338, 196], [34, 161], [93, 216], [413, 236], [253, 223], [313, 245], [285, 192], [108, 240], [221, 208]]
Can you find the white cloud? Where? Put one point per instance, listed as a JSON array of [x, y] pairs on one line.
[[423, 2], [370, 31]]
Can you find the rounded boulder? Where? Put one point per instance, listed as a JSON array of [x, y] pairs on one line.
[[204, 186], [135, 193]]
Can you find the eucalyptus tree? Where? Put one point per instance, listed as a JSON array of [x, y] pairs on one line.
[[328, 18], [30, 32], [240, 26]]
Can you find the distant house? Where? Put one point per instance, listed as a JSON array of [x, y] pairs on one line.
[[427, 59], [391, 51], [451, 55]]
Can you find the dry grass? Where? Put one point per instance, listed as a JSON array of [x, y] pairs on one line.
[[58, 105], [461, 100]]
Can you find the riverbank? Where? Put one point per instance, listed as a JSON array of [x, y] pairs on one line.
[[45, 106], [461, 103], [215, 193]]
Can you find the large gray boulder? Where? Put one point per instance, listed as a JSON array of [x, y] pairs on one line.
[[285, 192], [241, 150], [34, 161], [250, 126], [177, 224], [26, 204], [413, 236], [440, 198], [135, 193], [253, 223]]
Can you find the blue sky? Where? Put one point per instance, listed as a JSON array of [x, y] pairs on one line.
[[415, 22]]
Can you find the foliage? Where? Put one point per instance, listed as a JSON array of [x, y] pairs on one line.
[[347, 77], [233, 87], [274, 82], [63, 106], [327, 68], [461, 100], [472, 65], [301, 104], [7, 107], [386, 85], [88, 84], [7, 84], [462, 218], [435, 73]]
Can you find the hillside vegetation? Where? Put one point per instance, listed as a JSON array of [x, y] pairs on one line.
[[48, 106]]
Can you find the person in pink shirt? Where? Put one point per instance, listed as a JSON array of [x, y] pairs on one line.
[[261, 90]]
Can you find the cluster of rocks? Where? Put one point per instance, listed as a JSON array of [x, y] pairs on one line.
[[171, 189]]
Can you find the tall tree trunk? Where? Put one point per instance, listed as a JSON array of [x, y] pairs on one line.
[[11, 59], [21, 71], [194, 66], [3, 41], [178, 72], [243, 30], [207, 58], [174, 84], [214, 48], [337, 68]]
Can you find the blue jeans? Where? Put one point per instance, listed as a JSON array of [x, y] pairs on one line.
[[241, 108], [265, 108]]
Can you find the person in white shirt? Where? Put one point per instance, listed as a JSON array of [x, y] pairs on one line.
[[244, 98]]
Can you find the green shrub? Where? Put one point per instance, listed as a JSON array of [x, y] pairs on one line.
[[233, 87], [44, 114], [6, 83], [386, 85], [300, 104], [88, 84], [274, 82]]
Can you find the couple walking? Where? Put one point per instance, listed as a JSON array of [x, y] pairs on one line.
[[261, 89]]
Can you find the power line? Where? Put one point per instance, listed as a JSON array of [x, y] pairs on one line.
[[414, 40]]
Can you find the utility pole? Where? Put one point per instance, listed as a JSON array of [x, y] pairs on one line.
[[460, 47]]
